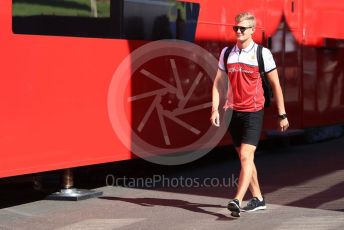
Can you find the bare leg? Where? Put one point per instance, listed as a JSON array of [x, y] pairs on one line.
[[254, 184], [246, 155]]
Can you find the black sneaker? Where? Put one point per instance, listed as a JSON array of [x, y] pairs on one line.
[[254, 204], [234, 207]]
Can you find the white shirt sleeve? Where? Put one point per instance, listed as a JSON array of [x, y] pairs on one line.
[[221, 66], [269, 62]]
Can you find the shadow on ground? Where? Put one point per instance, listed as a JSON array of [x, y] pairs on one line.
[[294, 175]]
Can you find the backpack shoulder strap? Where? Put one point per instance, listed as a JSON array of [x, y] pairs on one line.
[[260, 61], [266, 85], [225, 57]]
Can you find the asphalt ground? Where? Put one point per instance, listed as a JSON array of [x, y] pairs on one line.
[[303, 185]]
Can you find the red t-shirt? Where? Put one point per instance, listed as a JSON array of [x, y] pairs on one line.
[[245, 91]]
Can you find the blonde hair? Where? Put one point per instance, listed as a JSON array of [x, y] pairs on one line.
[[246, 16]]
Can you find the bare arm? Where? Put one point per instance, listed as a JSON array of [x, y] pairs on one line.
[[277, 91], [218, 91]]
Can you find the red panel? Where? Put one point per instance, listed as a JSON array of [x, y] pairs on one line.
[[322, 19], [313, 20], [271, 17], [293, 13], [216, 20], [53, 100], [53, 90]]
